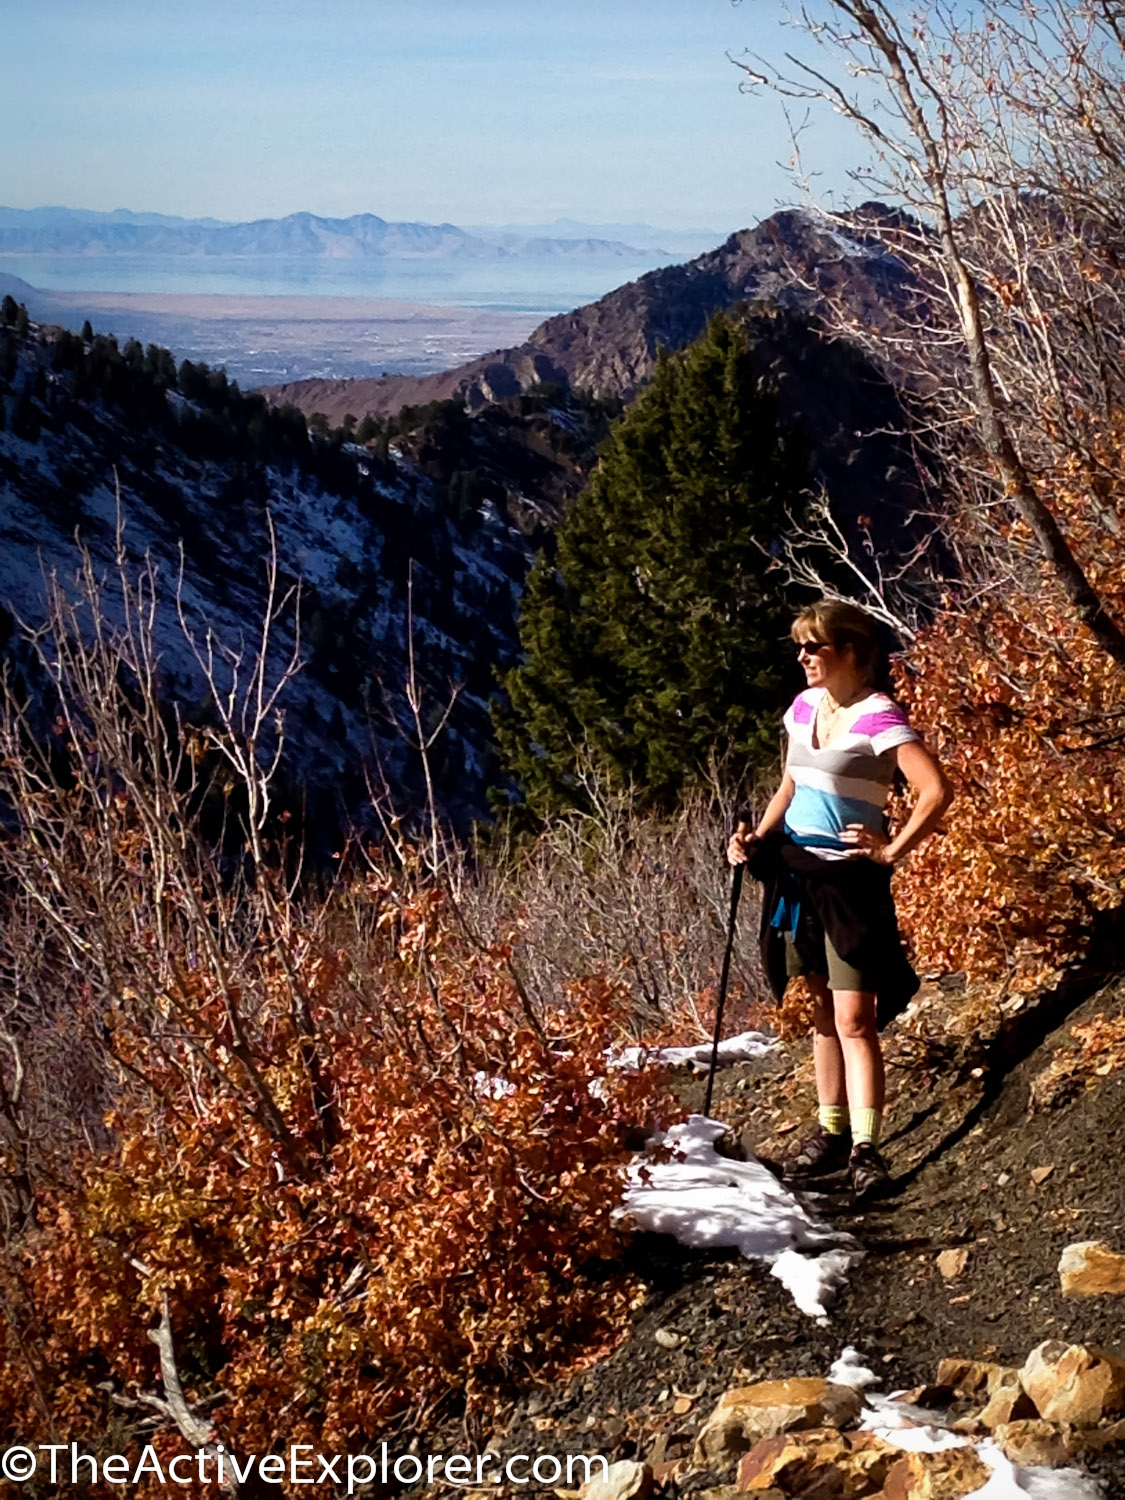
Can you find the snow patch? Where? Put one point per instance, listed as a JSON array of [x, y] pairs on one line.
[[743, 1048], [707, 1202], [849, 1369]]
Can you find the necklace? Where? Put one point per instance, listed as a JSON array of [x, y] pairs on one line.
[[829, 715]]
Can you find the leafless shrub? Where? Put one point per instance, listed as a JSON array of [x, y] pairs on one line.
[[1000, 132], [615, 890], [113, 898]]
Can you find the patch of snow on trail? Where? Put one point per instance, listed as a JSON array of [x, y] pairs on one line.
[[849, 1369], [1008, 1482], [813, 1282], [736, 1049], [705, 1201]]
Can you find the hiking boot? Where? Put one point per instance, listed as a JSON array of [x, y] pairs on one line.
[[820, 1155], [867, 1172]]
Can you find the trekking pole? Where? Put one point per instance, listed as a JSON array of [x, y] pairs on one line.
[[735, 892]]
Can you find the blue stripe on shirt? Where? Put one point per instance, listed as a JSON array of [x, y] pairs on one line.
[[813, 812]]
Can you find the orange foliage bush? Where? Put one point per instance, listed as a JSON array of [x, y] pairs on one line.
[[1027, 714], [426, 1231]]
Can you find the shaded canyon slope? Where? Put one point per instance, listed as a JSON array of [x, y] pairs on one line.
[[452, 515]]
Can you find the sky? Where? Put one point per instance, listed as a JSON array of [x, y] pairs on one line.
[[500, 111]]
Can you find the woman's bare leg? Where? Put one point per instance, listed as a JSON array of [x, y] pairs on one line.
[[858, 1039], [828, 1055]]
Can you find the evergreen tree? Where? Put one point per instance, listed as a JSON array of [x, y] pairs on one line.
[[655, 640]]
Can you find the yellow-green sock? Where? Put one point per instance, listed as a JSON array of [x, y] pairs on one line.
[[834, 1118], [867, 1126]]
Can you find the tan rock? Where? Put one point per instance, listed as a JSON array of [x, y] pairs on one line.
[[1092, 1269], [952, 1263], [622, 1481], [933, 1396], [1076, 1383], [666, 1469], [822, 1464], [1095, 1439], [968, 1377], [792, 1461], [750, 1413], [949, 1475], [1032, 1443], [1007, 1401]]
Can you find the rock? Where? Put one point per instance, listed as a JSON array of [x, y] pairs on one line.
[[968, 1377], [822, 1464], [623, 1481], [1092, 1269], [949, 1475], [791, 1461], [1007, 1401], [1095, 1439], [932, 1396], [952, 1263], [1076, 1383], [749, 1413], [1039, 1175], [1031, 1443]]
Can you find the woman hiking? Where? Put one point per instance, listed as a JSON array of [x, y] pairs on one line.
[[824, 858]]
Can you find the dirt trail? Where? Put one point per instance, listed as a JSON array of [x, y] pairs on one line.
[[979, 1170]]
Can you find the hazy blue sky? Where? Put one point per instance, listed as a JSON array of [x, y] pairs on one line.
[[502, 110]]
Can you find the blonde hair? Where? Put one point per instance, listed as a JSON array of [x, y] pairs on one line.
[[843, 624]]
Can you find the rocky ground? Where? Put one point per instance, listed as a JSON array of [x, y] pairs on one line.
[[1005, 1138]]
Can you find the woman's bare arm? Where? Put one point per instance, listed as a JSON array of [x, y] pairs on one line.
[[933, 795], [771, 819]]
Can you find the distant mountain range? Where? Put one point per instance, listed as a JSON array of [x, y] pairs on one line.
[[68, 231], [794, 261], [683, 242]]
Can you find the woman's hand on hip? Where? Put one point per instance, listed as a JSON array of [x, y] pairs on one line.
[[867, 843]]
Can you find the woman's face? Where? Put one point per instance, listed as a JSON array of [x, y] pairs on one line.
[[823, 664]]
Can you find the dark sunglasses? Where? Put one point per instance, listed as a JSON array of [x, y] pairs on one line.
[[812, 647]]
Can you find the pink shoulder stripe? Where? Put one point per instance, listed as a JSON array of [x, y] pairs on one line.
[[880, 722], [802, 710]]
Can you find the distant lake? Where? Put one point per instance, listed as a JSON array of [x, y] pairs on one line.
[[538, 287]]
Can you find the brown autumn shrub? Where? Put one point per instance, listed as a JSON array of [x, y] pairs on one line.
[[442, 1245], [327, 1147], [1027, 714]]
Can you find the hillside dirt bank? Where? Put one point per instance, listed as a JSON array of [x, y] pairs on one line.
[[1006, 1143]]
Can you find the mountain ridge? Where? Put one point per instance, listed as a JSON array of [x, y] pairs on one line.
[[608, 348], [61, 231]]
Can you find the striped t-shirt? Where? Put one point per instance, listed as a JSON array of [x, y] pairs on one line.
[[850, 779]]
